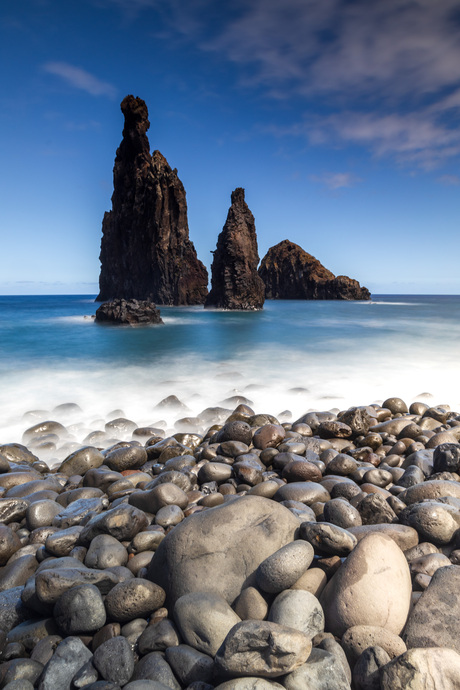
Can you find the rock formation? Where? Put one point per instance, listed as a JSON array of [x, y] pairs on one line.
[[235, 281], [131, 312], [289, 272], [145, 249]]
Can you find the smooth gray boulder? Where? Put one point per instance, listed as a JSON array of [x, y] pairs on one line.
[[220, 549]]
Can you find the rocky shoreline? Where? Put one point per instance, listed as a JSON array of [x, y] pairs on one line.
[[247, 553]]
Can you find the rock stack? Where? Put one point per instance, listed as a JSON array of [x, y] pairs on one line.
[[146, 252], [289, 272], [249, 555], [235, 281]]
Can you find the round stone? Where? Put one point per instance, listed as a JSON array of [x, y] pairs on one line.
[[304, 492], [298, 609], [327, 538], [105, 552], [283, 568], [80, 610], [359, 637], [339, 512], [114, 660], [136, 598], [204, 619], [372, 587]]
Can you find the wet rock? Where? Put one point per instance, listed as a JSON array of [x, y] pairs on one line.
[[145, 250], [327, 538], [122, 522], [9, 543], [235, 283], [105, 552], [81, 460], [131, 312]]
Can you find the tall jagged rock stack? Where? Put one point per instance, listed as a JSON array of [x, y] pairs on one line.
[[146, 252], [235, 281], [289, 272]]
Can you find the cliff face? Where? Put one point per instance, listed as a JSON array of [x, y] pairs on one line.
[[289, 272], [145, 249], [235, 281]]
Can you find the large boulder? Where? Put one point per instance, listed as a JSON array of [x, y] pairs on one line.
[[219, 550], [289, 272], [372, 587], [435, 619], [130, 312], [235, 283], [146, 252]]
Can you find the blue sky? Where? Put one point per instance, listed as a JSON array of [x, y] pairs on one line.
[[339, 118]]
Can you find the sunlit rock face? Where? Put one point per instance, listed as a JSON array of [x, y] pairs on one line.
[[146, 252], [289, 272]]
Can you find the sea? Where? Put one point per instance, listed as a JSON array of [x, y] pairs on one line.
[[289, 358]]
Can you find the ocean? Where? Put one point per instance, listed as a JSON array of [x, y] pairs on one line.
[[293, 356]]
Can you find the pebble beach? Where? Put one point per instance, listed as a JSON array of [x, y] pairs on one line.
[[246, 551]]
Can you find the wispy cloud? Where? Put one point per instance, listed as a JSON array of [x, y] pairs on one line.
[[449, 180], [334, 181], [386, 74], [80, 79]]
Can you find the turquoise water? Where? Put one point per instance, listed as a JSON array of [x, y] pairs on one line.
[[340, 353]]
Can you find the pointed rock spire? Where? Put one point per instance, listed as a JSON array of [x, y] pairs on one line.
[[146, 252], [235, 281]]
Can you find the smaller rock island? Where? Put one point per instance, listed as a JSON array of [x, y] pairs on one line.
[[235, 283], [289, 272], [130, 312]]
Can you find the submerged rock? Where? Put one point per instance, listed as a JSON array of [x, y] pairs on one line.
[[289, 272], [235, 281], [130, 312], [146, 252]]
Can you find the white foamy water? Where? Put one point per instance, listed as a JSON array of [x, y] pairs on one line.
[[292, 357]]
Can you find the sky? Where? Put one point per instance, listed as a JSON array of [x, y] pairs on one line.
[[340, 118]]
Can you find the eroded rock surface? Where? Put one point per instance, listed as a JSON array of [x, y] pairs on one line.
[[235, 281], [146, 252], [130, 312], [289, 272]]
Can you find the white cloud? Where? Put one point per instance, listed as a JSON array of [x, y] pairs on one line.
[[449, 180], [334, 181], [80, 79]]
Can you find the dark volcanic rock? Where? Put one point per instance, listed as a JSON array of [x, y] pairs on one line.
[[289, 272], [145, 250], [130, 312], [235, 281]]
